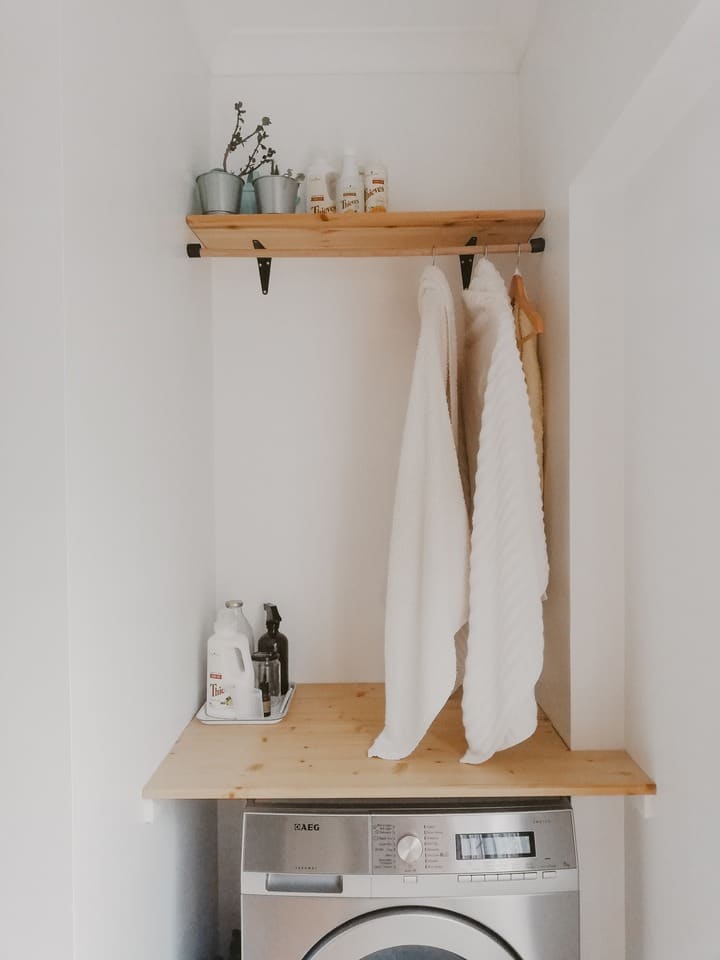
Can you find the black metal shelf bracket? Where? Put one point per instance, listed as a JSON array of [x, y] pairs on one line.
[[536, 244], [264, 264], [466, 264], [193, 250]]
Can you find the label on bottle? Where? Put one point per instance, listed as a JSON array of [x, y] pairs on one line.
[[319, 199], [215, 680], [350, 201], [375, 190]]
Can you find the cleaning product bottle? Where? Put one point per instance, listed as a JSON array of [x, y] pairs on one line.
[[320, 187], [242, 622], [351, 189], [376, 190], [275, 642], [230, 675]]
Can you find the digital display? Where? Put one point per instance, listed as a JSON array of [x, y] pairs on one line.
[[494, 846]]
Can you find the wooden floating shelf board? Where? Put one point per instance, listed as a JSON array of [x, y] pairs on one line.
[[320, 751], [361, 234]]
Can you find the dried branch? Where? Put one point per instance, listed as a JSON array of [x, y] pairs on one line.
[[259, 135]]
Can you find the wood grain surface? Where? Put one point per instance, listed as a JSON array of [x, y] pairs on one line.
[[361, 234], [320, 751]]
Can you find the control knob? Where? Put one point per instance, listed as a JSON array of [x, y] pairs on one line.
[[409, 848]]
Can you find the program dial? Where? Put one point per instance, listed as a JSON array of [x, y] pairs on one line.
[[409, 848]]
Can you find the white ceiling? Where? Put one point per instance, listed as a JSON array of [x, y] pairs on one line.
[[363, 36]]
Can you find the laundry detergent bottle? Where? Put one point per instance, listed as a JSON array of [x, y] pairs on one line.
[[243, 624], [320, 185], [230, 676]]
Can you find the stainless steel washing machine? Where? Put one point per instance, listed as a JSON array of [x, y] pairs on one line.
[[462, 881]]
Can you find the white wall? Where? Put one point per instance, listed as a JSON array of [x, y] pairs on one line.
[[388, 37], [582, 66], [139, 448], [35, 804], [672, 531], [106, 399], [311, 382], [592, 131]]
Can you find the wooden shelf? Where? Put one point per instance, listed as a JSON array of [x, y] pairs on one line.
[[361, 234], [320, 751]]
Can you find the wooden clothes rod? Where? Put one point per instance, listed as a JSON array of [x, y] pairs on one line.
[[536, 245]]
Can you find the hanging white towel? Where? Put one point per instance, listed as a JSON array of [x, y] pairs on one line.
[[428, 572], [508, 561]]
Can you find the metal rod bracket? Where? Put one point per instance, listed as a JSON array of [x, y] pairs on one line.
[[537, 245], [466, 264], [193, 250], [264, 264]]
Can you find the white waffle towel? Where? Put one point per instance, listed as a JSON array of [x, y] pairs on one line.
[[508, 554]]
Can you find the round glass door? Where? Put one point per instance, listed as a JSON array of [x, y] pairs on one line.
[[412, 933], [413, 953]]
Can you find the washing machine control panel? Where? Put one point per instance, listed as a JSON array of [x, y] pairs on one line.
[[492, 843], [399, 846]]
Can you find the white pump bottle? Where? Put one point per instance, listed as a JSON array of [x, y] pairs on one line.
[[351, 188]]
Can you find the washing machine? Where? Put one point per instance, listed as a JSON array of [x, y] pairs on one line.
[[458, 881]]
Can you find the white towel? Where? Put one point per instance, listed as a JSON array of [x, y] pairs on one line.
[[428, 572], [508, 561]]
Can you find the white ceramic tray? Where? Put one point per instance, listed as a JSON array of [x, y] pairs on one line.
[[276, 716]]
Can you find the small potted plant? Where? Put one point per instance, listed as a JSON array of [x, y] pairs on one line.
[[277, 193], [221, 189]]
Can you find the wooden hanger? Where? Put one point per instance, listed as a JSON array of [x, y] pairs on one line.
[[519, 297]]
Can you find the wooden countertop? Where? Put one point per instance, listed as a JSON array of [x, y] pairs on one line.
[[320, 751]]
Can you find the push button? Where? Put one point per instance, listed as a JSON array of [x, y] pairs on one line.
[[518, 876], [478, 878], [531, 876], [410, 879], [503, 876], [491, 876], [549, 874], [464, 878]]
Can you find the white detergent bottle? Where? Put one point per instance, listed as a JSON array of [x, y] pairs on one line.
[[243, 624], [376, 188], [230, 676], [320, 187], [351, 188]]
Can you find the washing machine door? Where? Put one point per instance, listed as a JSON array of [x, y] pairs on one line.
[[412, 933]]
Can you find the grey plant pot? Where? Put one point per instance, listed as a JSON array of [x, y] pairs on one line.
[[220, 192], [276, 194]]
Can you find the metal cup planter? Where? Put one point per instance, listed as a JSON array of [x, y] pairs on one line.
[[220, 192]]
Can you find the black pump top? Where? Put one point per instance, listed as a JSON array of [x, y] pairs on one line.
[[273, 618]]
